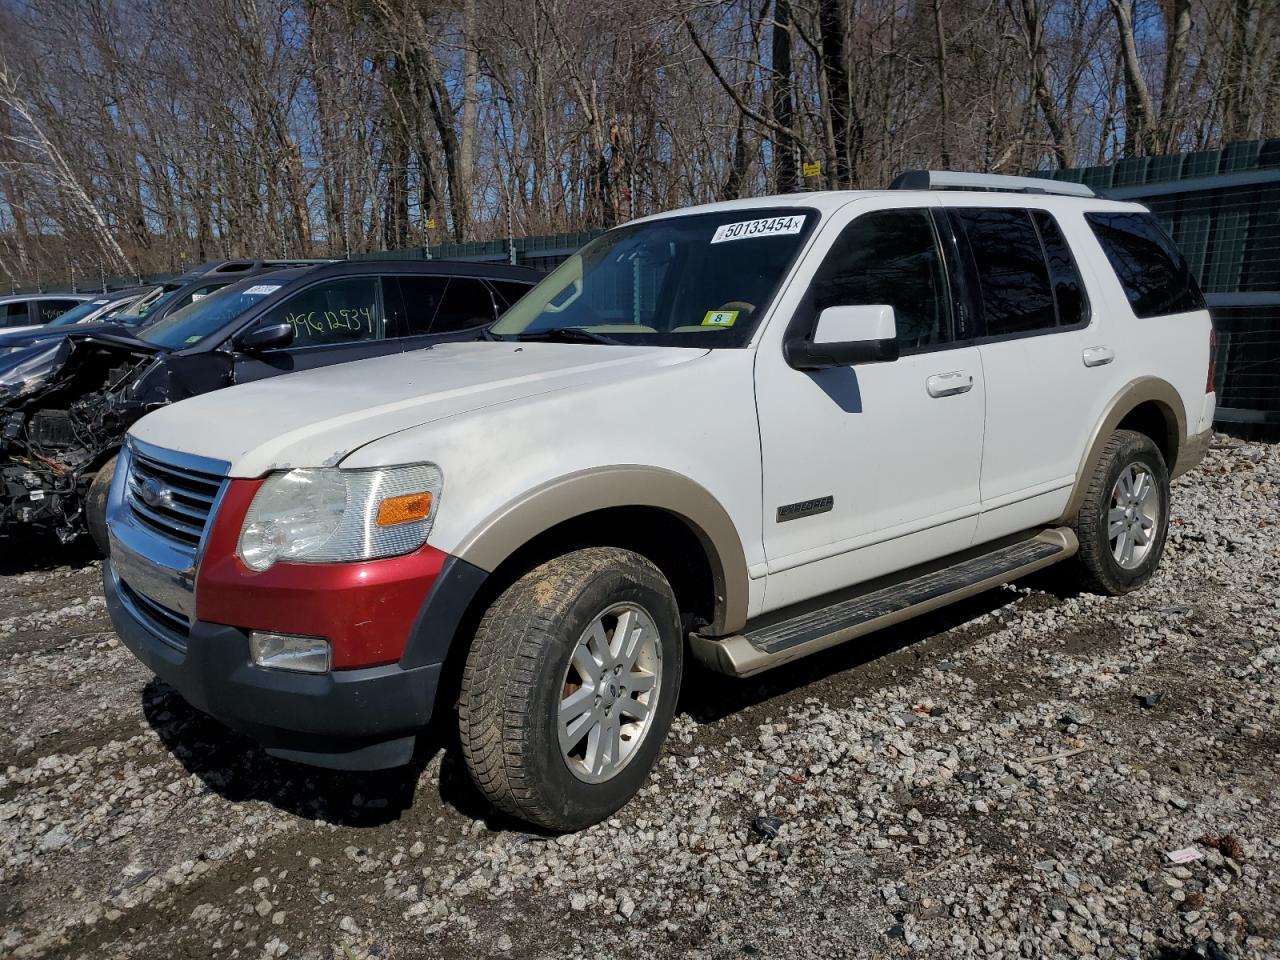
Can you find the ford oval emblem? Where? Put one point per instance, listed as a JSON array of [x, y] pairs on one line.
[[154, 493]]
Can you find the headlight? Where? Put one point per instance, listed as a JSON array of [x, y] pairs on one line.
[[328, 515], [23, 369]]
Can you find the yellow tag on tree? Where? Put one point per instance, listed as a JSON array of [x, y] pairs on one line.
[[812, 168], [720, 318]]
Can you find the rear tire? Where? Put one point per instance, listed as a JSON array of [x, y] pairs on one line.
[[1124, 518], [95, 506], [569, 687]]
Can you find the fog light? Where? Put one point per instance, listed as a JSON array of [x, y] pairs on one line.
[[284, 651]]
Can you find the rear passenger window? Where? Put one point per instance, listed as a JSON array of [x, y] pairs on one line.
[[14, 314], [1013, 278], [340, 311], [1068, 290], [890, 257], [509, 291], [467, 304], [52, 309], [421, 296], [1153, 272]]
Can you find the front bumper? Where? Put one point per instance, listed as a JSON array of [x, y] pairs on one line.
[[362, 719]]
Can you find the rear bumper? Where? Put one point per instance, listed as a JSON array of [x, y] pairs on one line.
[[1193, 450], [360, 719]]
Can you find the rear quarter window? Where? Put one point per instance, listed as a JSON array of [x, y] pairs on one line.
[[1154, 274]]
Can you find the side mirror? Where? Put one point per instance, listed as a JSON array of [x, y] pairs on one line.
[[845, 336], [270, 337]]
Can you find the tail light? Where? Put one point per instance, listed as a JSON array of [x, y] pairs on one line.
[[1213, 360]]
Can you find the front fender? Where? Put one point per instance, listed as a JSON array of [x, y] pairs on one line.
[[518, 522]]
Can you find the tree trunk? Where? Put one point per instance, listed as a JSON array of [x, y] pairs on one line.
[[845, 128], [944, 91], [1178, 37], [786, 179], [1139, 112], [1042, 83], [470, 108]]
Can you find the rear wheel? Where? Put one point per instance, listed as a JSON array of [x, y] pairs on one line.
[[1125, 515], [570, 686], [95, 505]]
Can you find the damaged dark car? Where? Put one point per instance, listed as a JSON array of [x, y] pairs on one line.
[[65, 405]]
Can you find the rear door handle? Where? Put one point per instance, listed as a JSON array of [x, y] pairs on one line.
[[949, 384], [1097, 356]]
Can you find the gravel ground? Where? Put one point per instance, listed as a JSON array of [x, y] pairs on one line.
[[1004, 779]]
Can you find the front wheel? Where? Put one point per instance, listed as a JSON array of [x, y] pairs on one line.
[[95, 506], [1125, 515], [570, 686]]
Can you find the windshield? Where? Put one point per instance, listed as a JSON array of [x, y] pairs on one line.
[[145, 305], [202, 318], [703, 280], [77, 314]]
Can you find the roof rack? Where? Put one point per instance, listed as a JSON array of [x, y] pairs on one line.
[[952, 180]]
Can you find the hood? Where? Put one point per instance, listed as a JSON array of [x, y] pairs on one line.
[[18, 337], [318, 417]]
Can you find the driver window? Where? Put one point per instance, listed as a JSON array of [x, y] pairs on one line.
[[335, 312], [890, 257]]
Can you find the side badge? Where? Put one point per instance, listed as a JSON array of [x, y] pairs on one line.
[[805, 508]]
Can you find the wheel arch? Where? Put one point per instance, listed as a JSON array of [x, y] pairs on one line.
[[1148, 405], [575, 498]]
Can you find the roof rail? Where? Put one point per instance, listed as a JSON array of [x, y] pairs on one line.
[[953, 180]]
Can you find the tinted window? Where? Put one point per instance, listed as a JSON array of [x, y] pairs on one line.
[[467, 303], [509, 291], [1013, 279], [1068, 289], [421, 298], [339, 311], [1154, 274], [889, 257], [13, 314], [53, 309]]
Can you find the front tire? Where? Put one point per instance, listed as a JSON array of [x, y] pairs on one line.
[[1124, 518], [95, 506], [569, 687]]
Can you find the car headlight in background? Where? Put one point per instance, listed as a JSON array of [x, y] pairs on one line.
[[329, 515], [23, 369]]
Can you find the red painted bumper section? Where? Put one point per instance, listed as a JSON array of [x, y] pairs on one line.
[[366, 610]]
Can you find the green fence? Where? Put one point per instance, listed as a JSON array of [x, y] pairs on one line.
[[541, 253]]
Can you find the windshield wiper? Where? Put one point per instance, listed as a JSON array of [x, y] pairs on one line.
[[566, 335]]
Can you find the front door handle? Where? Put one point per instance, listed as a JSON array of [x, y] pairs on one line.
[[949, 384], [1097, 356]]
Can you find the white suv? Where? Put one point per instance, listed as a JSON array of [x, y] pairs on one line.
[[746, 431]]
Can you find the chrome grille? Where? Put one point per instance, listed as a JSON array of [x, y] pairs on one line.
[[167, 624], [171, 499]]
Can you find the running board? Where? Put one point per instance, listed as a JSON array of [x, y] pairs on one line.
[[911, 594]]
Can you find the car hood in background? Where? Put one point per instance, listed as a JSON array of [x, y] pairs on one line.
[[318, 417]]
